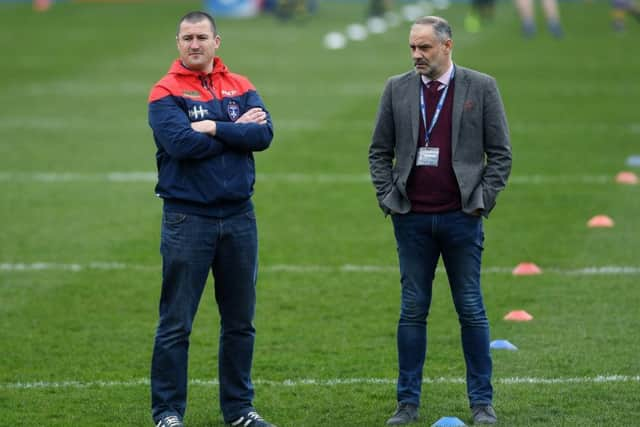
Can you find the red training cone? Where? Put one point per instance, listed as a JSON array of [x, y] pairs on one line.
[[526, 269], [600, 221], [518, 316], [627, 178]]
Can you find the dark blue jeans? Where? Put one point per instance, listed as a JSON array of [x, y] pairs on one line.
[[421, 239], [191, 246]]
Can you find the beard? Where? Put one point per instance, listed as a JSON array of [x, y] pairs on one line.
[[429, 69]]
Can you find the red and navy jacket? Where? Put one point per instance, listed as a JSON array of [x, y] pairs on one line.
[[199, 173]]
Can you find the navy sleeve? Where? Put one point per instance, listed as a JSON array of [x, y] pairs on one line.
[[172, 131], [247, 136]]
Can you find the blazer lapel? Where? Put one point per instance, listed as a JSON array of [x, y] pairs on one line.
[[413, 98], [459, 95]]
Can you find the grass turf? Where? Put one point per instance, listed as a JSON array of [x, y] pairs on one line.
[[73, 100]]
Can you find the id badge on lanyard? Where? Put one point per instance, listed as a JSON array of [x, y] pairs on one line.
[[429, 156]]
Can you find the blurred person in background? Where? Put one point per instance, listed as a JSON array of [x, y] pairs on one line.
[[206, 122], [379, 7], [289, 9], [482, 12], [527, 17], [619, 10], [439, 156]]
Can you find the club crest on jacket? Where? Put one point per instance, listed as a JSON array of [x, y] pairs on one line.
[[233, 110]]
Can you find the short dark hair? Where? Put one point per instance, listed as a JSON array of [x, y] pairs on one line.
[[440, 26], [198, 16]]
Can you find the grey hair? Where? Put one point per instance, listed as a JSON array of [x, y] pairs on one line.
[[440, 26]]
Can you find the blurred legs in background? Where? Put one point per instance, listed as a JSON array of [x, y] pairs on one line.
[[482, 11], [288, 9], [379, 7], [527, 17], [619, 10]]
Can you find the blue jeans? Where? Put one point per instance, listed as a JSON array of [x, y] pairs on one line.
[[191, 246], [421, 239]]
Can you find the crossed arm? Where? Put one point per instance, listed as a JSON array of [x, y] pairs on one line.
[[253, 115], [250, 132], [182, 139]]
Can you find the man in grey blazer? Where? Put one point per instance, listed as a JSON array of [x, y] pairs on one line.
[[439, 156]]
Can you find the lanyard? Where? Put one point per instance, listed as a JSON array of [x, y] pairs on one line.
[[436, 114]]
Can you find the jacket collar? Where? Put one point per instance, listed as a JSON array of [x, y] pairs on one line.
[[179, 68]]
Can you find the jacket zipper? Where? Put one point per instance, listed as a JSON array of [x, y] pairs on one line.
[[205, 84]]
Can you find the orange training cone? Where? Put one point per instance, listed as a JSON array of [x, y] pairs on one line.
[[627, 178], [600, 221], [526, 269], [518, 316]]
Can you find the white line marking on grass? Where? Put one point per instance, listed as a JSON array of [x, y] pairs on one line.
[[319, 178], [65, 124], [73, 267], [322, 91], [322, 178], [315, 124], [611, 270], [575, 380], [571, 128], [600, 379], [62, 124], [562, 179], [594, 271], [79, 88], [56, 123], [53, 177], [72, 384]]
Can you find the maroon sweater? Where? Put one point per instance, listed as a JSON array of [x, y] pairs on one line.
[[435, 189]]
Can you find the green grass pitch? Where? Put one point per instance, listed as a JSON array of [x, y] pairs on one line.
[[79, 223]]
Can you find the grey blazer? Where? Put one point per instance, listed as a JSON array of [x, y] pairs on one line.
[[481, 152]]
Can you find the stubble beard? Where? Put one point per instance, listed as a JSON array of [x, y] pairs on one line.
[[429, 72]]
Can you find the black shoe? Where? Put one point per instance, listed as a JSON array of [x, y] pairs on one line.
[[484, 414], [170, 421], [406, 413], [251, 419]]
